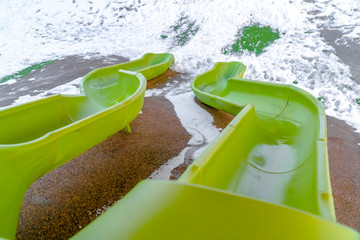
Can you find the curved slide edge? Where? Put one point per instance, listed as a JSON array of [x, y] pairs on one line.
[[150, 66], [46, 133], [192, 208], [22, 163], [290, 155], [175, 210]]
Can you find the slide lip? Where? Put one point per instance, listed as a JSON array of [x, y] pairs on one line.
[[118, 66], [224, 192], [239, 78], [320, 108], [103, 113], [169, 62], [58, 139], [138, 93], [216, 65], [214, 146], [303, 92], [321, 111], [143, 195], [220, 191], [89, 119], [309, 101]]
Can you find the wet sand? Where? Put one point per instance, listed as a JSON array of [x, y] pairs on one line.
[[65, 200], [344, 161], [62, 202]]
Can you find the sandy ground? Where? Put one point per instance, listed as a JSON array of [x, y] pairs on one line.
[[65, 200], [344, 158], [70, 197]]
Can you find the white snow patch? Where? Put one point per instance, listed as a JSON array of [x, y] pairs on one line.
[[196, 137], [71, 88], [164, 172], [9, 82], [37, 31], [194, 119], [338, 15], [153, 92], [26, 98]]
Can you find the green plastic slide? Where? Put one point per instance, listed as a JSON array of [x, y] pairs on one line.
[[38, 136], [164, 210], [266, 176], [274, 150]]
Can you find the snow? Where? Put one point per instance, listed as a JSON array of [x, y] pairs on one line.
[[197, 122], [164, 172], [39, 30], [71, 88]]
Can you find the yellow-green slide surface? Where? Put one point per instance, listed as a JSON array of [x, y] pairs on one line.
[[274, 150], [38, 136], [266, 176], [164, 210]]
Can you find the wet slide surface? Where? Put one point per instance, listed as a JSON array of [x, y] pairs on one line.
[[274, 150]]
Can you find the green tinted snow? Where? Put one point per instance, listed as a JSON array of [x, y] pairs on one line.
[[253, 38], [183, 30], [26, 71]]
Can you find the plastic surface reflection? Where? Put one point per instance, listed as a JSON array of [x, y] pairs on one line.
[[266, 176], [41, 135]]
